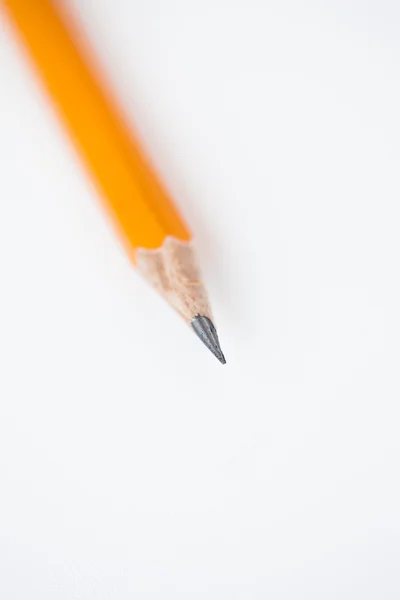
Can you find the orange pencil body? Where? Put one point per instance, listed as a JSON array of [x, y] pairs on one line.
[[133, 194]]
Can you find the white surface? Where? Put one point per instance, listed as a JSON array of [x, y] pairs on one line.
[[132, 464]]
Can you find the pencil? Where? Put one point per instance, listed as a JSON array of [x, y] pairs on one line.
[[156, 237]]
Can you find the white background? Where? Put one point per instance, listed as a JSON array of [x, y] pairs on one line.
[[132, 464]]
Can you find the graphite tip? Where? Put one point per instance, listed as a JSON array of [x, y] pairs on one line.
[[205, 330]]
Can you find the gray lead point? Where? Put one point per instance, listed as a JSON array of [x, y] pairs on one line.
[[205, 330]]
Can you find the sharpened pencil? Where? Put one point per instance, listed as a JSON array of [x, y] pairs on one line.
[[156, 237]]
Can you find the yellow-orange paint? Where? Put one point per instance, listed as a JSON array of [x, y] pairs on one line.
[[138, 202]]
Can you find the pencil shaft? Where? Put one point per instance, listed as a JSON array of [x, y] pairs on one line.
[[131, 191]]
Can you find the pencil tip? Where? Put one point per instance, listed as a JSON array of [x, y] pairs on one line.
[[205, 330]]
